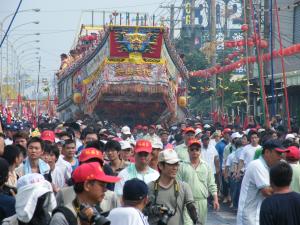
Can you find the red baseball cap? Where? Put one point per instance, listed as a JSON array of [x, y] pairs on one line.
[[92, 171], [48, 135], [293, 153], [145, 128], [194, 141], [189, 129], [227, 131], [152, 126], [90, 153], [143, 146]]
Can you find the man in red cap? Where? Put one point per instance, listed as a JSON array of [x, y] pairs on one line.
[[140, 169], [48, 135], [90, 186], [182, 150], [293, 157], [198, 174]]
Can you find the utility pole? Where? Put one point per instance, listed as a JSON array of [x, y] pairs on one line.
[[172, 22], [38, 92], [213, 56]]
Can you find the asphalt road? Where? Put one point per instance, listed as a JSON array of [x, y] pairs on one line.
[[225, 216]]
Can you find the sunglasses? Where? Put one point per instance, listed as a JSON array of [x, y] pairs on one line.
[[142, 154]]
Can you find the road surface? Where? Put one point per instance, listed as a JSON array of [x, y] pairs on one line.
[[225, 216]]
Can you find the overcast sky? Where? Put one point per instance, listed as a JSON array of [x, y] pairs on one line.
[[59, 22]]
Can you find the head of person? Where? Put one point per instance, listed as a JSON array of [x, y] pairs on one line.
[[125, 132], [234, 136], [64, 136], [69, 148], [20, 138], [198, 133], [4, 168], [217, 136], [90, 182], [90, 135], [194, 149], [281, 175], [13, 155], [142, 153], [254, 138], [168, 163], [48, 135], [96, 144], [227, 134], [63, 56], [157, 147], [152, 129], [35, 148], [126, 150], [89, 155], [145, 130], [112, 149], [35, 194], [164, 136], [51, 154], [135, 194], [205, 140], [245, 140], [273, 152], [189, 133], [293, 154]]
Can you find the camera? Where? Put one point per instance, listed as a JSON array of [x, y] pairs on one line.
[[92, 215], [163, 212]]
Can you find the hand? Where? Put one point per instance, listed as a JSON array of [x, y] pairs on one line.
[[216, 205]]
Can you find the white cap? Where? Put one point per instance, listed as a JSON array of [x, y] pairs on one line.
[[157, 144], [125, 130], [125, 145], [290, 136], [236, 135], [197, 131], [206, 126], [168, 156]]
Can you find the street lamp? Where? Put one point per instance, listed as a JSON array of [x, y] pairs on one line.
[[27, 42], [27, 49], [25, 35], [32, 22]]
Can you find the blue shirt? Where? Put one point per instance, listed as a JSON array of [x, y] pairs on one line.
[[220, 148], [7, 206]]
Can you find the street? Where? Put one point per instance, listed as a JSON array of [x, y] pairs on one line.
[[221, 217]]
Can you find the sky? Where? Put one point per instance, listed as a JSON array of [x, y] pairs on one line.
[[59, 22]]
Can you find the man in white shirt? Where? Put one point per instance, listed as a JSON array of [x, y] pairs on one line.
[[247, 155], [134, 200], [256, 183], [210, 155], [140, 169]]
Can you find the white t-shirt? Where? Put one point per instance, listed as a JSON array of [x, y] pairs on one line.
[[127, 216], [248, 154], [208, 155], [65, 166], [59, 177], [130, 172], [237, 155], [229, 161], [256, 178]]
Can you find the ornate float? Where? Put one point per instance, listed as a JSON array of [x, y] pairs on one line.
[[128, 74]]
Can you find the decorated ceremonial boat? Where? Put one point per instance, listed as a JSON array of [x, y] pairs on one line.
[[131, 74]]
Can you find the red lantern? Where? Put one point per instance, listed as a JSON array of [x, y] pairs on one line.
[[244, 27], [290, 50], [235, 54], [240, 43], [263, 44], [297, 46], [250, 42]]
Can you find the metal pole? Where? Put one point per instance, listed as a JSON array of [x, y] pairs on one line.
[[172, 23], [1, 66], [213, 44], [38, 91]]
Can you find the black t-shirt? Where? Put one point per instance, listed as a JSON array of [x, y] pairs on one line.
[[7, 206], [281, 209]]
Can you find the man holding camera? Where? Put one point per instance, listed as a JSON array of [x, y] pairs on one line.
[[168, 197], [89, 185]]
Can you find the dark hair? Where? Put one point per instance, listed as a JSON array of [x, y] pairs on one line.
[[95, 144], [69, 141], [238, 143], [64, 133], [20, 134], [113, 145], [10, 153], [88, 130], [36, 139], [3, 171], [23, 150], [52, 149], [281, 174], [79, 187]]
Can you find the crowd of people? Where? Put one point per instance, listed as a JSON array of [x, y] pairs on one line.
[[82, 172]]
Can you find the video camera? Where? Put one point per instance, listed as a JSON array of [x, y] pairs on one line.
[[163, 212], [96, 218]]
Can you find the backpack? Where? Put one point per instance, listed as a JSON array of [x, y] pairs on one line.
[[69, 215]]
